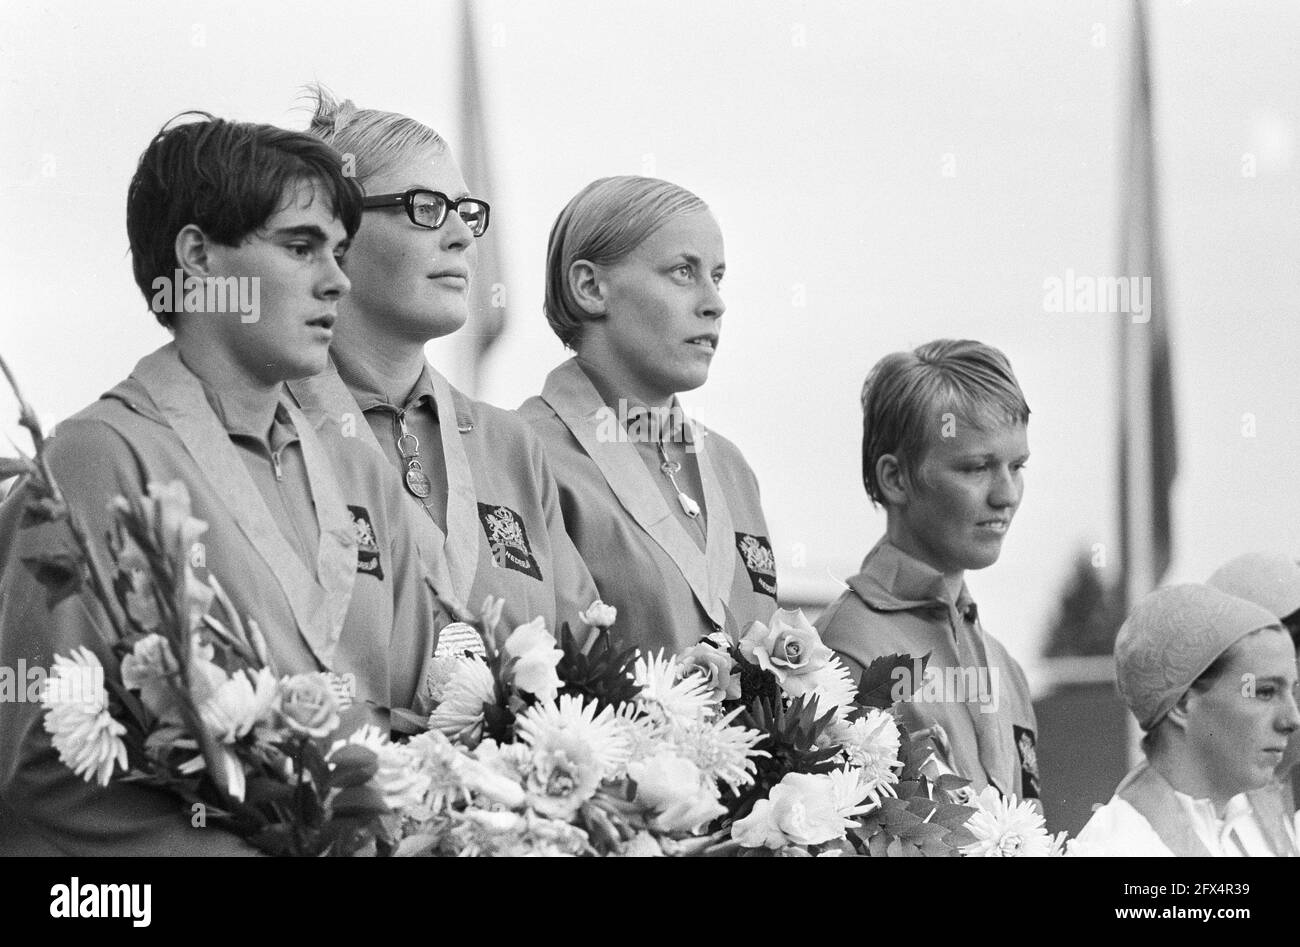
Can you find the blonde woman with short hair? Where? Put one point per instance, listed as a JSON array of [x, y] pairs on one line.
[[665, 511]]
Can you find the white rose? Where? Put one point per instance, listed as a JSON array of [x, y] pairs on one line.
[[790, 648], [675, 789], [800, 810], [533, 650]]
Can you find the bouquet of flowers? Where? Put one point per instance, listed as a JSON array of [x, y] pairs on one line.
[[752, 744], [188, 701]]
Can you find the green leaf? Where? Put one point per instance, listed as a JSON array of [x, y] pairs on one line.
[[922, 830], [274, 840], [948, 811], [878, 681], [353, 766], [263, 789], [950, 781], [879, 845], [315, 763], [899, 818], [359, 800], [960, 835], [58, 572], [936, 848]]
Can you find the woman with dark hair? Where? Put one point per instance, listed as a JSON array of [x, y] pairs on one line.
[[298, 523], [666, 512]]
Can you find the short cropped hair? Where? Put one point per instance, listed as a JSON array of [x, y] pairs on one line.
[[603, 223], [906, 394], [227, 179], [371, 141]]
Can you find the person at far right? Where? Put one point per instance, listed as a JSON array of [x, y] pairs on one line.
[[944, 446], [1272, 581], [1211, 679]]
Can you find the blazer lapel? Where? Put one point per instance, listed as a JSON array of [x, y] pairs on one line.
[[720, 537], [464, 531], [318, 606], [336, 551], [575, 399]]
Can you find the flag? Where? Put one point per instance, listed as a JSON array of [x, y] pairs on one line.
[[1148, 454], [487, 298]]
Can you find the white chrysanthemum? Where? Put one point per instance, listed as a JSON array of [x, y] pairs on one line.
[[641, 734], [239, 703], [1005, 828], [87, 737], [667, 697], [573, 750], [722, 750], [853, 795], [460, 715], [871, 745], [833, 687], [442, 761]]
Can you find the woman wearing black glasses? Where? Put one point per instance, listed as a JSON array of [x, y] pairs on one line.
[[485, 495], [666, 513]]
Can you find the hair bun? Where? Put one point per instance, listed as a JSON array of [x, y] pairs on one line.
[[329, 115]]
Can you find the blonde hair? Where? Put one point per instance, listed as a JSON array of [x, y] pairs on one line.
[[370, 141], [603, 223], [906, 391]]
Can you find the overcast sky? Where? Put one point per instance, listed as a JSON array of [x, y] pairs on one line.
[[884, 174]]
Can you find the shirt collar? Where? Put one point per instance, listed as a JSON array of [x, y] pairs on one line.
[[893, 580], [1206, 820], [372, 392], [670, 424], [241, 421]]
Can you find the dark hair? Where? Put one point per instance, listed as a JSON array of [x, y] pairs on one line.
[[906, 395], [228, 179]]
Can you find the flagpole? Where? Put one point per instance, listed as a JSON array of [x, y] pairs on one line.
[[1147, 448]]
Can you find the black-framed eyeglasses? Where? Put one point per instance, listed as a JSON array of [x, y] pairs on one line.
[[429, 209]]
